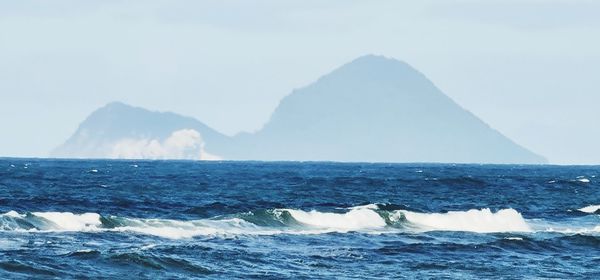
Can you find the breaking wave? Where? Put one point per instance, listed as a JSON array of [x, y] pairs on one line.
[[373, 218], [481, 221]]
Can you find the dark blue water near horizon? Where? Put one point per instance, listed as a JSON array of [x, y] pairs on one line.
[[67, 219]]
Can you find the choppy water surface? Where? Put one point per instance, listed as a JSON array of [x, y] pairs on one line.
[[178, 219]]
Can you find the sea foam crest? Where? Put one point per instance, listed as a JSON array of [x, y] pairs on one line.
[[590, 209], [481, 221], [176, 229], [50, 221], [67, 221], [368, 219], [355, 219]]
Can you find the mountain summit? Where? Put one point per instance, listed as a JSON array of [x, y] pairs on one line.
[[372, 109]]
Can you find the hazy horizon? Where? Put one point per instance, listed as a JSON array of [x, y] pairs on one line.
[[526, 68]]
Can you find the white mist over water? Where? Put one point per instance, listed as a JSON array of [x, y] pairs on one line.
[[181, 144]]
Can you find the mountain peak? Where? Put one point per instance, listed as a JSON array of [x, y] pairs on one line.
[[118, 106], [376, 69], [373, 62], [374, 58]]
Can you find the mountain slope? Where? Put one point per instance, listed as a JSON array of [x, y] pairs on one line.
[[377, 109]]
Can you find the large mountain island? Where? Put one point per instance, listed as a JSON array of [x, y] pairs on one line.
[[372, 109], [118, 130]]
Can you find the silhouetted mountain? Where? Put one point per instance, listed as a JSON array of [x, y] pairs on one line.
[[110, 125], [371, 109], [377, 109]]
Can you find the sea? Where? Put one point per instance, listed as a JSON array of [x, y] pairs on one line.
[[131, 219]]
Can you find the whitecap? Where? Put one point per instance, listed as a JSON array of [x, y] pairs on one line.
[[66, 221], [148, 246], [565, 229], [365, 219], [590, 209], [480, 221], [514, 238], [355, 219]]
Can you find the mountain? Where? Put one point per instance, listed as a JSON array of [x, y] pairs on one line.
[[377, 109], [372, 109], [118, 130]]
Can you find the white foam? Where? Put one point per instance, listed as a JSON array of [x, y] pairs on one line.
[[364, 218], [583, 180], [566, 229], [355, 219], [168, 232], [371, 206], [590, 209], [13, 214], [481, 221], [514, 238], [175, 229], [66, 221]]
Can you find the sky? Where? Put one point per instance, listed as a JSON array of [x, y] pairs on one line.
[[528, 68]]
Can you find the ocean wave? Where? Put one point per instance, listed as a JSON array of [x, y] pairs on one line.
[[371, 219]]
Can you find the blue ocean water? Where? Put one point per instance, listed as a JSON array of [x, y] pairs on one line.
[[183, 219]]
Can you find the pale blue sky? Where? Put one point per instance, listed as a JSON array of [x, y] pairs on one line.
[[529, 68]]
